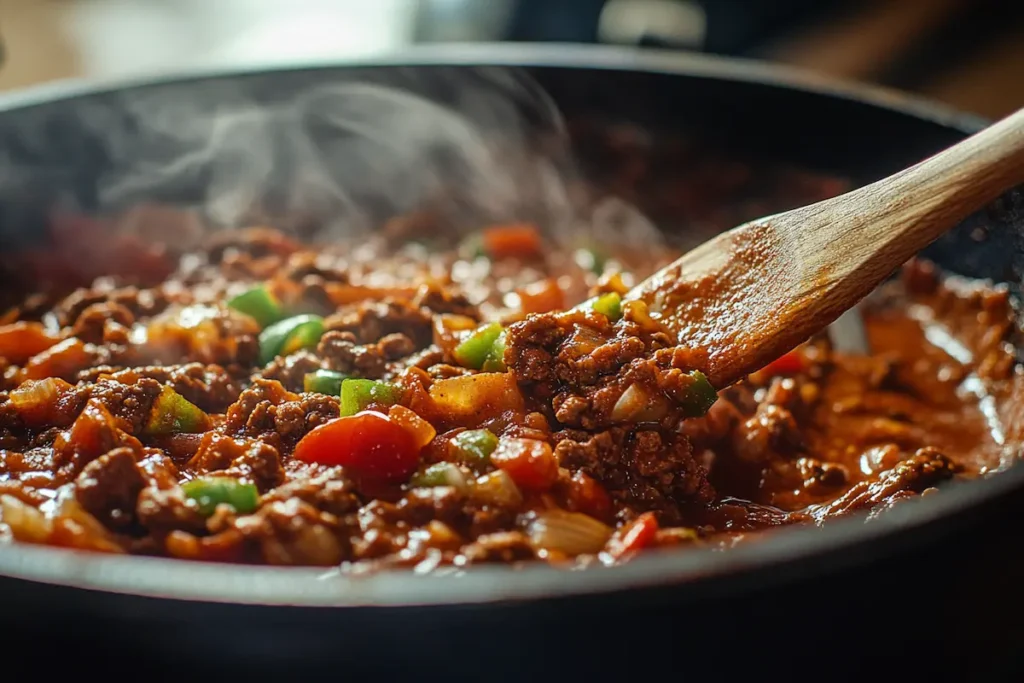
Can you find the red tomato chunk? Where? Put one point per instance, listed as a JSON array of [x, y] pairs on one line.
[[529, 462], [369, 444]]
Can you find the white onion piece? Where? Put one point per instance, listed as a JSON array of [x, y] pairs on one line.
[[498, 488], [41, 393], [629, 404], [27, 524], [572, 533]]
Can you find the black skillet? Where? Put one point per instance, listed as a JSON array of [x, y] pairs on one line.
[[934, 586]]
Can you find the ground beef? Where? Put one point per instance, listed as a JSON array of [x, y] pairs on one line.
[[91, 322], [291, 370], [109, 488], [208, 386], [370, 321], [267, 409], [165, 510], [248, 459], [132, 403], [294, 533], [643, 469], [328, 490], [439, 300]]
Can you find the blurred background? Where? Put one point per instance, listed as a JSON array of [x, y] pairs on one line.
[[966, 53]]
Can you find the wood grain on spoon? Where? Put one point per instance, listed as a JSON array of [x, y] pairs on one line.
[[755, 292]]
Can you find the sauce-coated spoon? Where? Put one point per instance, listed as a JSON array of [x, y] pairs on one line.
[[755, 292]]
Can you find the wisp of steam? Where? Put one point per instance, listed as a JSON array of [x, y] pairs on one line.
[[478, 146]]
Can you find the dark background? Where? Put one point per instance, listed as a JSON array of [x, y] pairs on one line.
[[966, 53]]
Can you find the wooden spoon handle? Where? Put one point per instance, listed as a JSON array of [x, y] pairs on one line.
[[755, 292], [925, 200]]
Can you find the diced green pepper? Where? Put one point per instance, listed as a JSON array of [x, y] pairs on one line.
[[357, 394], [324, 382], [439, 474], [609, 305], [474, 446], [172, 414], [304, 336], [209, 492], [259, 304], [495, 361], [474, 351], [290, 335], [700, 395]]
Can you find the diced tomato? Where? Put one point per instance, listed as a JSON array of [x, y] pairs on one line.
[[541, 297], [93, 433], [21, 340], [63, 360], [345, 294], [530, 462], [786, 364], [371, 445], [589, 497], [422, 431], [635, 536], [514, 240]]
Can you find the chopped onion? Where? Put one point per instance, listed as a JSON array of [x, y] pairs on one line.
[[629, 404], [572, 533], [473, 398], [637, 405], [27, 524], [498, 488], [38, 396]]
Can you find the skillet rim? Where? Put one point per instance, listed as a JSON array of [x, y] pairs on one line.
[[790, 551]]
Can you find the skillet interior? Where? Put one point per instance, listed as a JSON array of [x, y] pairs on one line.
[[794, 121]]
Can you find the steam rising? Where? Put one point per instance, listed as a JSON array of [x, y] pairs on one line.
[[487, 145]]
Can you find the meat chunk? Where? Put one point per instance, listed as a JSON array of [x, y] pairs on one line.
[[596, 374], [326, 489], [163, 511], [90, 324], [294, 533], [291, 370], [372, 320], [132, 403], [267, 409], [642, 469], [109, 487], [245, 458], [924, 469], [209, 387]]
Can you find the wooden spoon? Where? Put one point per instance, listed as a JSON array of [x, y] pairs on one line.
[[755, 292]]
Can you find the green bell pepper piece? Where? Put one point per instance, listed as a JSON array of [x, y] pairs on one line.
[[609, 305], [357, 394], [474, 446], [699, 396], [209, 492], [259, 304], [289, 335], [324, 382], [173, 414], [475, 350]]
